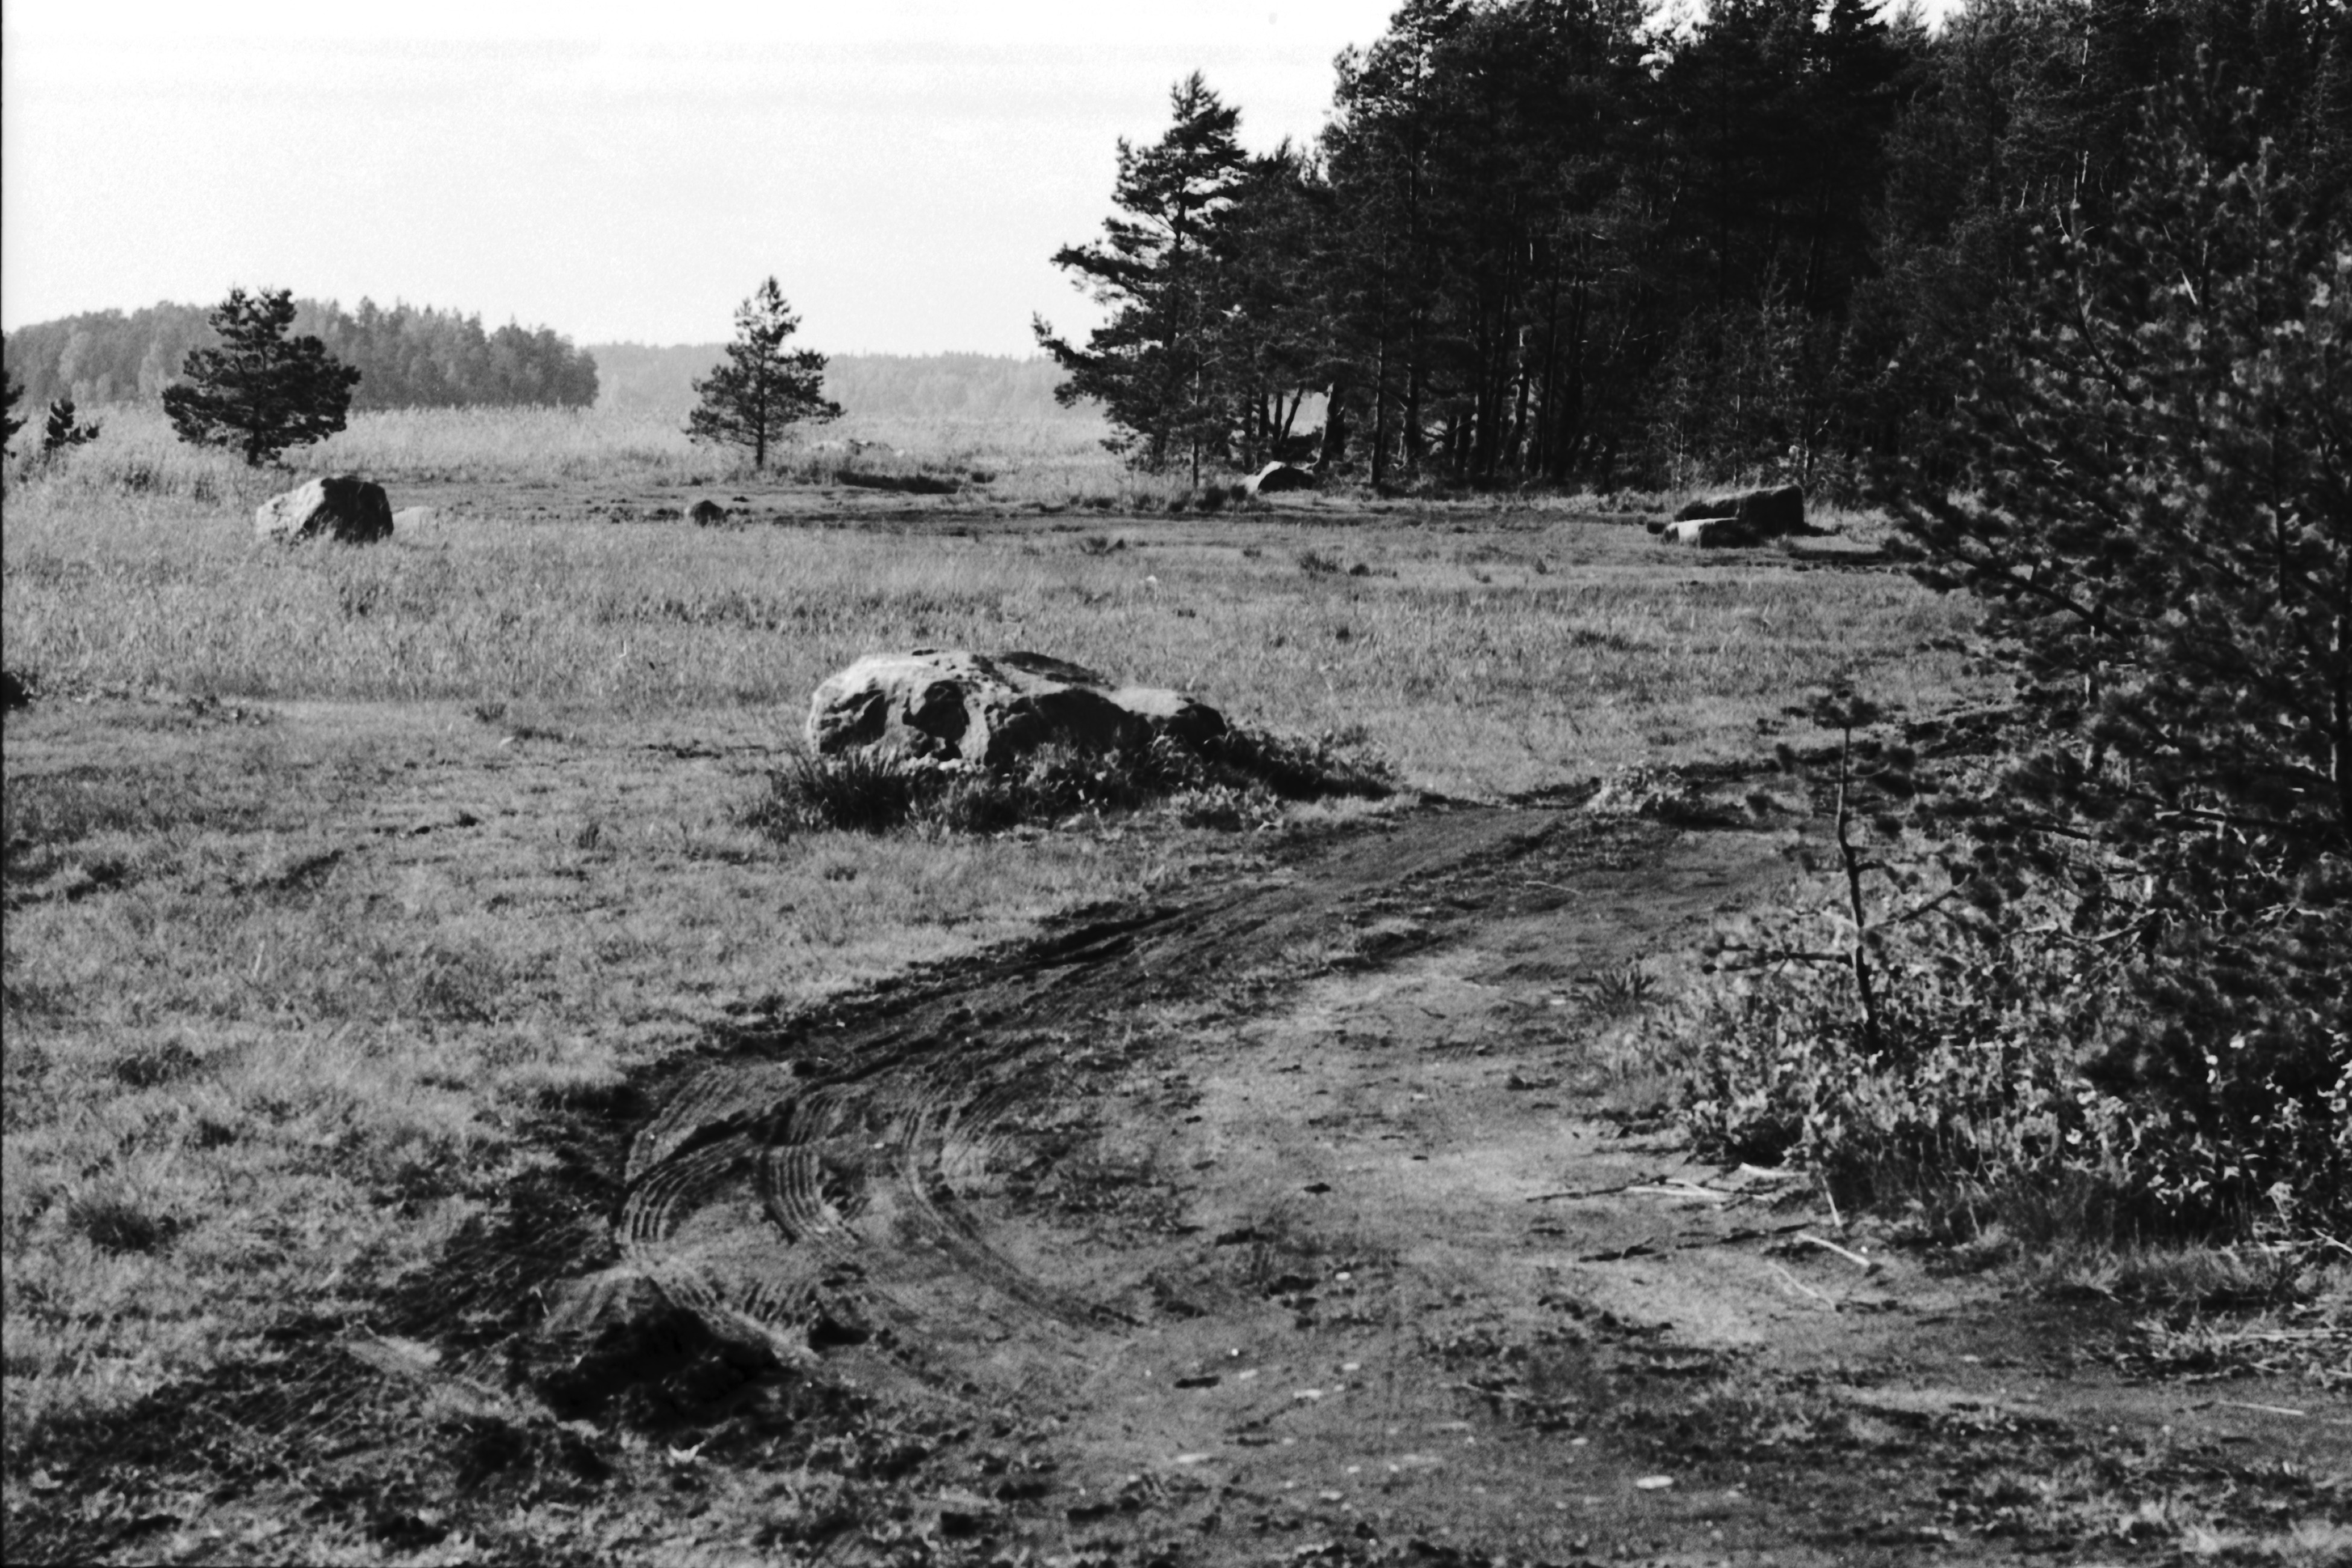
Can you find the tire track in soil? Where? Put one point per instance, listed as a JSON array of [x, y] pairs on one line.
[[823, 1178], [1058, 1176]]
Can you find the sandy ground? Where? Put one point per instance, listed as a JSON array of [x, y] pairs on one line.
[[1310, 1216]]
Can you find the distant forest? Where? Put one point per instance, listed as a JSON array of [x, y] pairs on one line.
[[1558, 240], [423, 358], [407, 357], [636, 378]]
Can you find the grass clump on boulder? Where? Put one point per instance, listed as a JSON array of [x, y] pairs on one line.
[[1236, 779]]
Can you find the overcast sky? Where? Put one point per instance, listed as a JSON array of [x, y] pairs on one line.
[[616, 172]]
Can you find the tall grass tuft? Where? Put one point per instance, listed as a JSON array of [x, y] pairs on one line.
[[858, 792], [1223, 783]]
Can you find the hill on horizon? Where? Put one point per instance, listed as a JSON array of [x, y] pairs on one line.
[[658, 380]]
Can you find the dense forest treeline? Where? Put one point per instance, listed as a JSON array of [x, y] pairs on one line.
[[407, 356], [1546, 240]]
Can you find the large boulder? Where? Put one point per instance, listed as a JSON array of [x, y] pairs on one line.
[[1768, 514], [344, 507], [992, 708], [1276, 478], [1710, 533]]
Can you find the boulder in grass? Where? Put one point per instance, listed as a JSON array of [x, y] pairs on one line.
[[1165, 712], [344, 507], [1710, 533], [705, 513], [1276, 478], [1768, 514], [951, 705], [409, 518]]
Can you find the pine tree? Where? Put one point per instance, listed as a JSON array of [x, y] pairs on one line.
[[1274, 343], [63, 430], [2157, 514], [260, 390], [1154, 365], [10, 420], [762, 389]]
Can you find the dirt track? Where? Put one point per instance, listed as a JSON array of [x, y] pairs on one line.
[[1282, 1221]]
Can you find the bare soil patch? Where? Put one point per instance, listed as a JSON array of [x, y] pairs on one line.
[[1306, 1216]]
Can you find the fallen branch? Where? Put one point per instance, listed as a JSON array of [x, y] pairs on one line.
[[1592, 1192], [1683, 1190], [1645, 1248], [1867, 1265], [1801, 1285]]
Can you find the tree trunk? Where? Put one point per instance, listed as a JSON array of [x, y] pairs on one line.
[[1334, 428]]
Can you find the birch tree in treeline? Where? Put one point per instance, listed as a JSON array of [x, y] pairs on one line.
[[1547, 241]]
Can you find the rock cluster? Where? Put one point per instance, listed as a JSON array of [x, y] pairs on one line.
[[994, 709]]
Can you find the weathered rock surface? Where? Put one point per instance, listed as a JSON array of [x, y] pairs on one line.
[[704, 512], [342, 507], [992, 708], [411, 517], [1276, 478], [1768, 514]]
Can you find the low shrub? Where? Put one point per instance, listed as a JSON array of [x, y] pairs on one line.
[[1923, 1039], [1984, 1092]]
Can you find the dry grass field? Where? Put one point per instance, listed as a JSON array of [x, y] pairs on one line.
[[336, 879]]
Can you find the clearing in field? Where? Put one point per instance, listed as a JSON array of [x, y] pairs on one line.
[[445, 1121]]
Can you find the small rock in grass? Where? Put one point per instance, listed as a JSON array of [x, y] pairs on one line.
[[1276, 478], [1767, 513]]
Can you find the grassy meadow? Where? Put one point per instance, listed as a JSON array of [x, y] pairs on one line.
[[1482, 649], [325, 866]]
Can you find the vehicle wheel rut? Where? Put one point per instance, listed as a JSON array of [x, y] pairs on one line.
[[941, 1162]]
